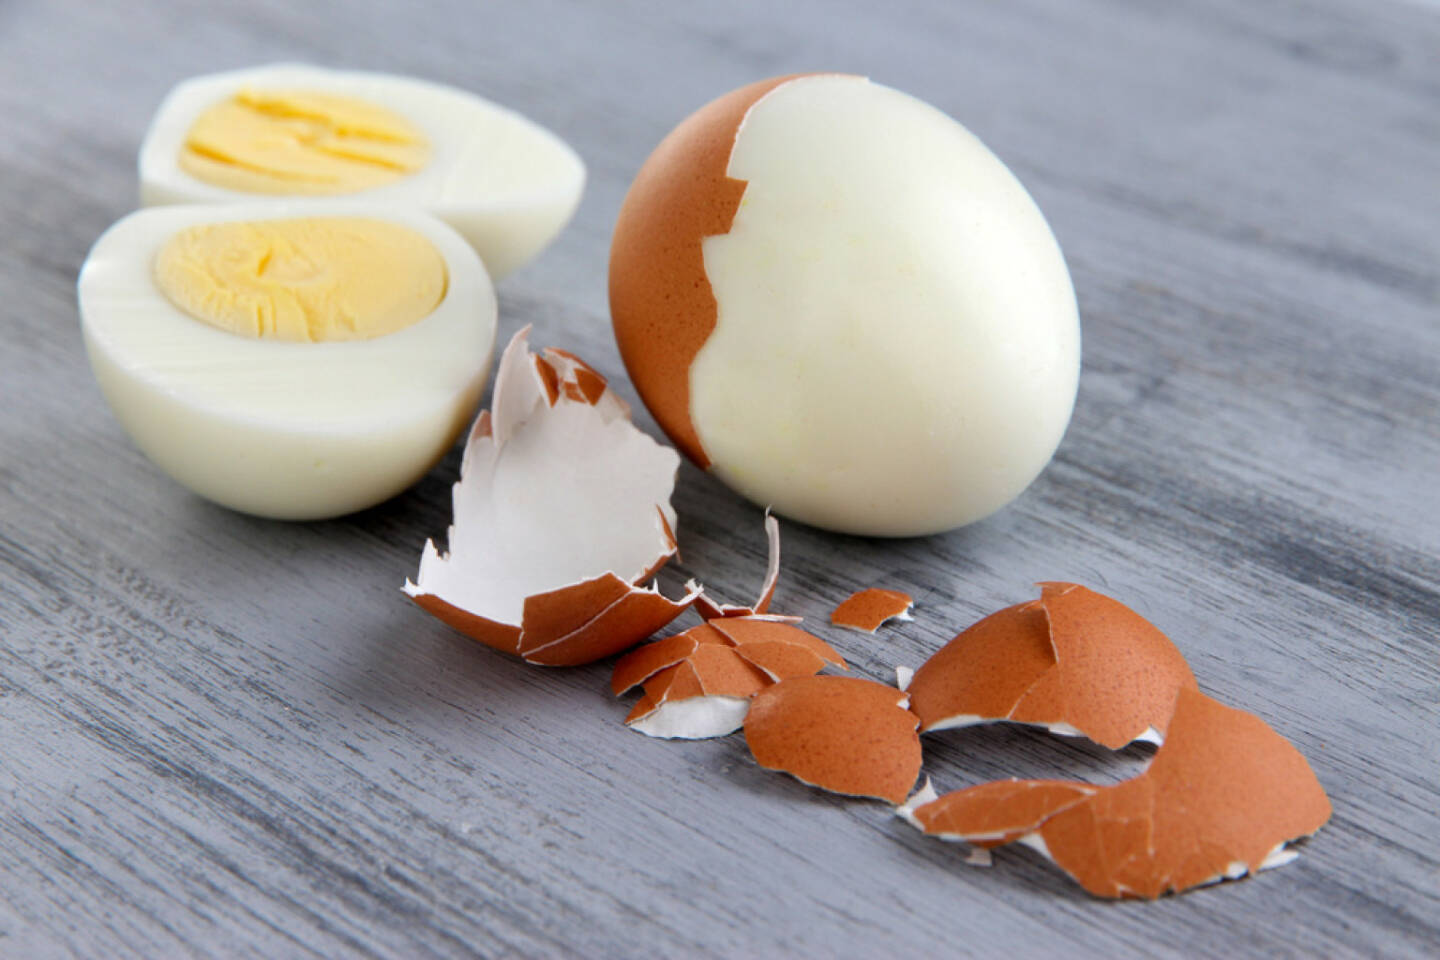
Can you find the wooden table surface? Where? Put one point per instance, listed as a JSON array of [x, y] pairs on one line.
[[222, 736]]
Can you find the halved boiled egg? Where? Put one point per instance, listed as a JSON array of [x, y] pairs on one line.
[[508, 185], [835, 298], [289, 360]]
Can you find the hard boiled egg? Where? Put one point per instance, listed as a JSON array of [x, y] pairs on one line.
[[835, 298], [508, 185], [289, 360]]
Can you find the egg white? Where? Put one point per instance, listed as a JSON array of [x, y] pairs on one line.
[[896, 349], [283, 429], [508, 185]]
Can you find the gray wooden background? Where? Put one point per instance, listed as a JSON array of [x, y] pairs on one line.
[[221, 736]]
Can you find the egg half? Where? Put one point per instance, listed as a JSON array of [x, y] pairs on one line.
[[506, 184], [289, 360], [839, 301]]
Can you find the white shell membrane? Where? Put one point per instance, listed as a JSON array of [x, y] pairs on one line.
[[552, 497]]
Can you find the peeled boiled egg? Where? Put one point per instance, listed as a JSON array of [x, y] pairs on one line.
[[508, 185], [291, 360], [839, 301]]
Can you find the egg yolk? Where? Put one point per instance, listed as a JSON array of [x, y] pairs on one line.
[[310, 279], [272, 141]]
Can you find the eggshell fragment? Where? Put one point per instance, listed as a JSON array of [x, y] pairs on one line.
[[561, 509], [778, 648], [866, 610], [657, 265], [1074, 661], [704, 695], [842, 734], [1221, 798], [642, 663], [1001, 812], [730, 658], [711, 610]]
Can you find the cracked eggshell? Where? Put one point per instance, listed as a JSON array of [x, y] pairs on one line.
[[722, 660], [702, 696], [842, 734], [711, 610], [778, 648], [816, 278], [1074, 661], [506, 184], [1220, 799], [642, 663], [867, 610], [997, 813], [561, 510]]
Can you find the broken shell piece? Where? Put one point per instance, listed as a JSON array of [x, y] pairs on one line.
[[734, 657], [642, 663], [777, 647], [1220, 799], [866, 610], [997, 813], [704, 695], [978, 856], [842, 734], [711, 610], [561, 510], [1074, 661]]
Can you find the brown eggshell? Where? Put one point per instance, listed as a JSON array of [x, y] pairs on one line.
[[1222, 793], [631, 617], [649, 702], [661, 302], [584, 383], [724, 673], [578, 622], [710, 610], [678, 681], [1074, 659], [866, 610], [712, 669], [986, 669], [842, 734], [1220, 799], [642, 663], [1116, 674], [779, 649], [1001, 812], [732, 656], [550, 378], [501, 636]]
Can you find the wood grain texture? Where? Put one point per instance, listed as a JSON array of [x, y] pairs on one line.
[[221, 736]]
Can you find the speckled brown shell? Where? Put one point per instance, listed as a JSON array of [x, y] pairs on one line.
[[1224, 791], [843, 734], [1072, 657], [660, 299]]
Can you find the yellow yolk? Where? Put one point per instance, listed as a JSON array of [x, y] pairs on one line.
[[311, 279], [271, 141]]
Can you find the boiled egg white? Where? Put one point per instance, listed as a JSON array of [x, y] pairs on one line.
[[189, 315], [506, 184], [836, 299]]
